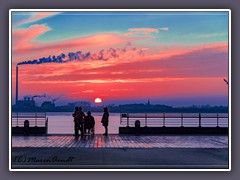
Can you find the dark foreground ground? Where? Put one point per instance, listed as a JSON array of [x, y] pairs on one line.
[[170, 158], [119, 151]]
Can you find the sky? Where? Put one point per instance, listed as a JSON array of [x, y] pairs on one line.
[[173, 58]]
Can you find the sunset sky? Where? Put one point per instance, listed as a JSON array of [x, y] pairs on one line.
[[175, 58]]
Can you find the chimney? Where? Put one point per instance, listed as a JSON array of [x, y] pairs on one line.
[[16, 84]]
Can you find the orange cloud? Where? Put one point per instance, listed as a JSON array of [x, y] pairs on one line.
[[195, 72]]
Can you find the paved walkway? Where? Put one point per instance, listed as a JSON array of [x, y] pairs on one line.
[[121, 141], [119, 151]]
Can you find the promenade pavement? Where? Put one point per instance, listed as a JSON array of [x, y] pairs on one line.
[[119, 151], [121, 141]]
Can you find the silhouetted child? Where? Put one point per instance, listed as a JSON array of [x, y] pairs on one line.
[[89, 123]]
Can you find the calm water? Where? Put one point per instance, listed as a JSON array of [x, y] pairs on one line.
[[62, 122]]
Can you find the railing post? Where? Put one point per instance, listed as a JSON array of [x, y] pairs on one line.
[[120, 118], [145, 119], [17, 119], [217, 120], [163, 119], [46, 126], [35, 119], [200, 120], [181, 119], [127, 120]]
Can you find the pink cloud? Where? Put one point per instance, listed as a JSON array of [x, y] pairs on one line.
[[166, 51], [23, 39], [200, 63], [37, 16], [196, 71], [25, 46], [170, 69]]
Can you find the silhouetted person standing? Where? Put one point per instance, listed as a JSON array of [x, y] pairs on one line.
[[89, 122], [80, 120], [105, 119], [76, 124]]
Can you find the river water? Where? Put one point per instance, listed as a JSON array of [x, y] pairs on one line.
[[62, 122]]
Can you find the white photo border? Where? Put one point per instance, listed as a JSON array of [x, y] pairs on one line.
[[120, 10]]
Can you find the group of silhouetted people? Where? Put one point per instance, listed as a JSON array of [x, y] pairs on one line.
[[85, 124]]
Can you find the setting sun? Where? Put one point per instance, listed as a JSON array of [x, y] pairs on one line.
[[98, 100]]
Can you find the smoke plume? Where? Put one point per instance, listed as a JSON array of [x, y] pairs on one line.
[[81, 56]]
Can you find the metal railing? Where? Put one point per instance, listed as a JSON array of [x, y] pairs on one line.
[[175, 119], [37, 119]]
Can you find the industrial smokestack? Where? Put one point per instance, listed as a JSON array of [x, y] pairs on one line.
[[16, 84]]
